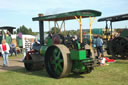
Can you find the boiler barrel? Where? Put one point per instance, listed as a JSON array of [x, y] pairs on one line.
[[43, 50]]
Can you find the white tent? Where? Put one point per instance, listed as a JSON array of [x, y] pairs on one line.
[[29, 37]]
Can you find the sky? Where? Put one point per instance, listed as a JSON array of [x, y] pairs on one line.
[[20, 12]]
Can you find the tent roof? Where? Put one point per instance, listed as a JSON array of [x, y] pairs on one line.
[[7, 27]]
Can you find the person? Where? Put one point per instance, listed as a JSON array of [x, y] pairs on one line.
[[8, 37], [102, 60], [99, 44], [32, 41], [5, 50], [94, 45], [13, 48], [19, 41], [35, 44], [27, 47]]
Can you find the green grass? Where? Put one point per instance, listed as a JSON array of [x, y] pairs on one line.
[[113, 74]]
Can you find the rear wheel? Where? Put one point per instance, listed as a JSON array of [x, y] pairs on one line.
[[57, 61], [119, 46]]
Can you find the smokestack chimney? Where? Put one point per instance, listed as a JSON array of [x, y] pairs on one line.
[[41, 29]]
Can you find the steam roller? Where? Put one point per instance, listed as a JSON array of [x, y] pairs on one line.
[[59, 53]]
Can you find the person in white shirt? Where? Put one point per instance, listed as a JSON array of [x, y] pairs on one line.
[[102, 60], [27, 47]]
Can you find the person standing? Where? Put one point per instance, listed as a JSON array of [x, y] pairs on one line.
[[27, 47], [99, 46], [5, 50]]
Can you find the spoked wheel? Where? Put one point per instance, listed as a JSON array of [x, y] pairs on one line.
[[113, 49], [108, 47], [119, 46], [124, 48], [57, 61]]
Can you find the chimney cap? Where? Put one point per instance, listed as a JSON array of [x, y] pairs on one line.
[[40, 14]]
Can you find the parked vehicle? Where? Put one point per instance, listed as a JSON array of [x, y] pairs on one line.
[[117, 46], [60, 54]]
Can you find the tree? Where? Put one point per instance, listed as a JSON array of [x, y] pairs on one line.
[[22, 29], [25, 30]]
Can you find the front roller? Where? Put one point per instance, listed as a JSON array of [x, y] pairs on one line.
[[57, 61], [33, 62]]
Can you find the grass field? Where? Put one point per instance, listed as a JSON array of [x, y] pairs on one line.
[[113, 74]]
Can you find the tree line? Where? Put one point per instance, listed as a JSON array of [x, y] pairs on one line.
[[70, 32], [24, 30]]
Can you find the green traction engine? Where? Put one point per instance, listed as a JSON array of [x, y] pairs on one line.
[[60, 54]]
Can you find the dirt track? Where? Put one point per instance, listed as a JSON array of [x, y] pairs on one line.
[[13, 64]]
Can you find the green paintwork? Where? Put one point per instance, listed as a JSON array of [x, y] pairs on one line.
[[78, 54], [57, 61], [50, 42], [68, 15], [78, 67], [43, 50], [87, 60], [78, 44], [124, 33]]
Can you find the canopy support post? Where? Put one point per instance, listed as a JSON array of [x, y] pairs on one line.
[[49, 26], [54, 27], [80, 21], [111, 28], [41, 28], [90, 22], [64, 29], [61, 26], [106, 30], [57, 25]]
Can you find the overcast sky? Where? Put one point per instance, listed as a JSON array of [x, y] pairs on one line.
[[20, 12]]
